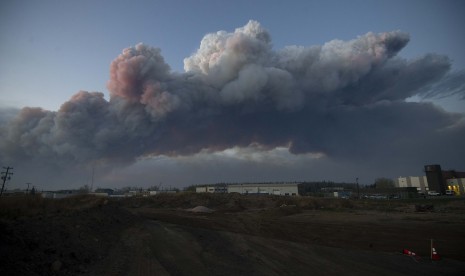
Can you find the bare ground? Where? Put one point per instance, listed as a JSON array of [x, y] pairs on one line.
[[243, 236]]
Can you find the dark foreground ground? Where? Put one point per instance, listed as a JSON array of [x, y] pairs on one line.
[[243, 235]]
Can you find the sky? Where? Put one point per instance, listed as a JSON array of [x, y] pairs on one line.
[[192, 92]]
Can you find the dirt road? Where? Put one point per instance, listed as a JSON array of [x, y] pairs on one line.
[[160, 248]]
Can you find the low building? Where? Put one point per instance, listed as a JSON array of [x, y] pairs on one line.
[[419, 182], [457, 185], [288, 189], [201, 189], [217, 189], [437, 178], [59, 194], [342, 194], [212, 189]]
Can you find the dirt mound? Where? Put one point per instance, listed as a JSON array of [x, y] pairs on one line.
[[201, 209]]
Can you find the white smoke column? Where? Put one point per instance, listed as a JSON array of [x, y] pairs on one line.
[[222, 55], [239, 65]]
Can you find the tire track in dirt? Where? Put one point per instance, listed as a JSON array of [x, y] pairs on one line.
[[130, 256]]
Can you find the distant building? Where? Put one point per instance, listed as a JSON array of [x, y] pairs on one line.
[[252, 188], [217, 189], [419, 182], [342, 194], [211, 189], [288, 189], [201, 189], [59, 194], [435, 180], [438, 179], [457, 185]]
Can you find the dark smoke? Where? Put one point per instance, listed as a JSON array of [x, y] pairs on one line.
[[452, 85], [342, 99]]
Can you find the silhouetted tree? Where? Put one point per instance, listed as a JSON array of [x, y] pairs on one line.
[[84, 189], [384, 183]]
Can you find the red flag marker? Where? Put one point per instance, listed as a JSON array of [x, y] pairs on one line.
[[408, 252], [434, 254]]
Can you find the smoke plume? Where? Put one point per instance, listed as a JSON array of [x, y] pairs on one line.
[[238, 91]]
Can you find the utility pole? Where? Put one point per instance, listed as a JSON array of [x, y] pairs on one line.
[[92, 183], [5, 176], [358, 188], [27, 191]]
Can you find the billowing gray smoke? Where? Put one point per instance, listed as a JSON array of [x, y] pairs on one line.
[[238, 91]]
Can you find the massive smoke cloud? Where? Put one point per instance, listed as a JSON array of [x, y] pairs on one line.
[[342, 100]]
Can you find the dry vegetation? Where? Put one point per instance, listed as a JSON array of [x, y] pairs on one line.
[[14, 207]]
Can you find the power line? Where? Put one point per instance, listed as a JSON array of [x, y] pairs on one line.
[[5, 176]]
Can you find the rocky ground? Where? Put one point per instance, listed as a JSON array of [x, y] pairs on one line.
[[192, 234]]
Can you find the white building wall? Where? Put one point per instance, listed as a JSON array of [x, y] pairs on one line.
[[419, 182], [201, 189], [268, 189], [211, 189], [401, 182]]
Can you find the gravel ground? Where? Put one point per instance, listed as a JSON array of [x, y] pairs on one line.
[[237, 236]]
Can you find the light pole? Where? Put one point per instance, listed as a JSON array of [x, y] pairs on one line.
[[358, 188]]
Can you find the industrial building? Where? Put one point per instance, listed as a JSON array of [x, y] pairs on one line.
[[287, 189], [211, 189], [457, 185], [419, 182], [435, 180]]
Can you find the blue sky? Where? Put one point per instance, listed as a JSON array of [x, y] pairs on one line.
[[372, 122], [52, 49]]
